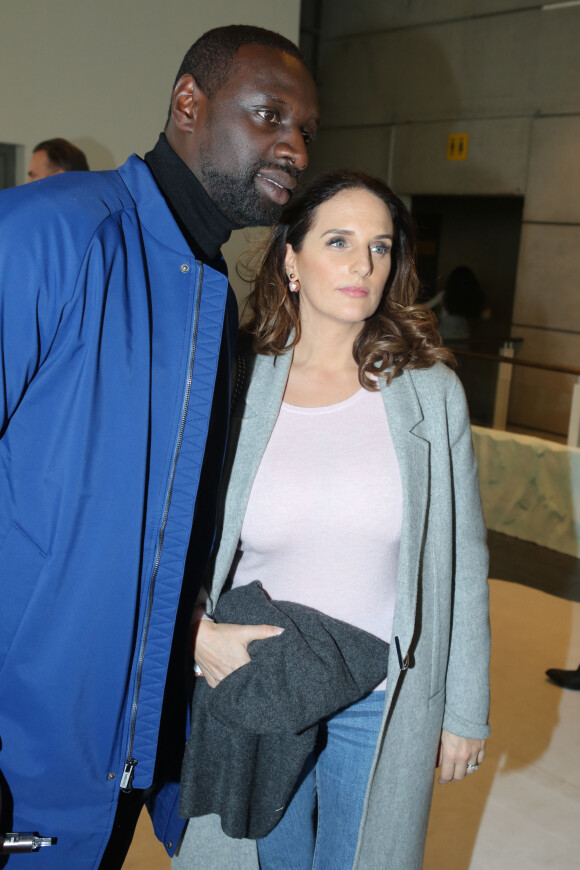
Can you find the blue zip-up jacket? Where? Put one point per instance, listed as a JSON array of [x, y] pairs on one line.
[[110, 334]]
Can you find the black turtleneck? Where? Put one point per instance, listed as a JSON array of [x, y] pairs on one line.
[[203, 225], [205, 229]]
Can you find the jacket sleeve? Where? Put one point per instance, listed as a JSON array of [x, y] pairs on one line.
[[467, 687], [33, 290]]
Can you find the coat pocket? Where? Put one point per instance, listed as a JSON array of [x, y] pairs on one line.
[[438, 699], [20, 564]]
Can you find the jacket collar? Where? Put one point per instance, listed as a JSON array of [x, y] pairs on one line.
[[400, 398], [154, 213], [267, 385]]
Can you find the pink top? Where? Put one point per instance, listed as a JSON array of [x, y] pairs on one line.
[[323, 523]]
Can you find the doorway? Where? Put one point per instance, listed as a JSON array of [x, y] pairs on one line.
[[8, 155], [481, 233]]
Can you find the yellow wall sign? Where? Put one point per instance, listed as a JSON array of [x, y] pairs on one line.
[[457, 146]]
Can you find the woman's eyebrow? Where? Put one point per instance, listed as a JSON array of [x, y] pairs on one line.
[[351, 233]]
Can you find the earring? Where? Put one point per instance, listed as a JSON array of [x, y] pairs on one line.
[[293, 285]]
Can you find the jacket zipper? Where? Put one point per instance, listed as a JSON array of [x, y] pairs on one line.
[[130, 764]]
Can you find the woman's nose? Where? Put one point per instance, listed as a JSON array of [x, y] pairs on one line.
[[362, 263]]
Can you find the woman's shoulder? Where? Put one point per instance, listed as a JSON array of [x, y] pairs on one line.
[[437, 377], [441, 395]]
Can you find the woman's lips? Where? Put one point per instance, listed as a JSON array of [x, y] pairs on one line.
[[355, 292]]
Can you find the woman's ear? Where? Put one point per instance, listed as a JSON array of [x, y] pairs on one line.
[[290, 261], [188, 104]]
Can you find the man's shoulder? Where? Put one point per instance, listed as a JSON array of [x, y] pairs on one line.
[[77, 193], [70, 206]]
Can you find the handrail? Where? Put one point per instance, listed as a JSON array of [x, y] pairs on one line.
[[515, 361]]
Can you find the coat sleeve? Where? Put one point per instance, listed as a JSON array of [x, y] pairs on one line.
[[35, 269], [467, 686]]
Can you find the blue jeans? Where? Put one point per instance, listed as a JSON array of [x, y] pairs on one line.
[[319, 830]]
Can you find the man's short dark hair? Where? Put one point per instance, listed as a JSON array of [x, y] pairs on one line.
[[210, 59], [63, 154]]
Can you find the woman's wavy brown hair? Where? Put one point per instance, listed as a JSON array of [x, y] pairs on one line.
[[400, 334]]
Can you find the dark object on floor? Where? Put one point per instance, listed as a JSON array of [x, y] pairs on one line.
[[565, 679]]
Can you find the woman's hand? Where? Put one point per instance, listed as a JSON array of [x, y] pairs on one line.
[[221, 648], [458, 756]]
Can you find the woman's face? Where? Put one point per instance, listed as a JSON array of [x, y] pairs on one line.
[[345, 260]]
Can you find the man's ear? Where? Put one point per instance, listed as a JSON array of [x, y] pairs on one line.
[[188, 104]]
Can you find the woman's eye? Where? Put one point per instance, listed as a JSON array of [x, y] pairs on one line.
[[269, 115], [381, 249], [336, 242]]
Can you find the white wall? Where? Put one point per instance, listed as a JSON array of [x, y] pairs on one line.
[[100, 72]]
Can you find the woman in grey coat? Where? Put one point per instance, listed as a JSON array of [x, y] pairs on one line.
[[353, 490]]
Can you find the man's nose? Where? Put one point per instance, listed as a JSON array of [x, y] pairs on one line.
[[292, 147]]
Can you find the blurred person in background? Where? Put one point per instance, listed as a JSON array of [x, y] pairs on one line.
[[55, 156]]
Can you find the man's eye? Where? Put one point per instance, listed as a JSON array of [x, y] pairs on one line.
[[269, 115], [308, 136]]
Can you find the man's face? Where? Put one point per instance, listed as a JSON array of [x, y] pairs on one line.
[[41, 167], [251, 146]]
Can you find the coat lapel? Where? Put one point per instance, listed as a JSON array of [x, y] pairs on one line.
[[405, 422], [252, 425]]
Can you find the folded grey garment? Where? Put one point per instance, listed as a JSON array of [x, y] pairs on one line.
[[251, 735]]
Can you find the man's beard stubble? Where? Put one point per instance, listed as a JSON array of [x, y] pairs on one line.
[[238, 198]]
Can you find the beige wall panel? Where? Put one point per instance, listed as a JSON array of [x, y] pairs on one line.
[[555, 80], [366, 148], [553, 192], [473, 68], [548, 346], [548, 280], [496, 159], [342, 17], [517, 64], [541, 400]]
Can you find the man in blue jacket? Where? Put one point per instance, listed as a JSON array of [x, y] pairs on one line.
[[117, 330]]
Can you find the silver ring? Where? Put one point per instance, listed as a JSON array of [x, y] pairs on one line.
[[473, 766]]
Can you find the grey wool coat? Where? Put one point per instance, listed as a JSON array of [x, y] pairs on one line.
[[441, 613]]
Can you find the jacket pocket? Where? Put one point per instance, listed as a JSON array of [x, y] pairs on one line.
[[20, 564]]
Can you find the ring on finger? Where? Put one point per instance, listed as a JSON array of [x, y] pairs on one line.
[[471, 768]]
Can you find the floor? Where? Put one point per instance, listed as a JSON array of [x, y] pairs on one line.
[[521, 810]]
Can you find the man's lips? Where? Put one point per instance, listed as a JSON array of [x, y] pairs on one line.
[[276, 184], [355, 291]]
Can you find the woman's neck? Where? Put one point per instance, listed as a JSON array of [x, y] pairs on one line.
[[323, 371]]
